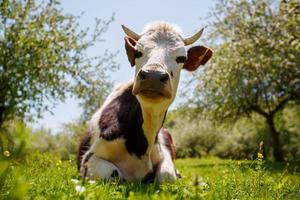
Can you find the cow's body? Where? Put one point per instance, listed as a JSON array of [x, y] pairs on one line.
[[126, 138], [116, 135]]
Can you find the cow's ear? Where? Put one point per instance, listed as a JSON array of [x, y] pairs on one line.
[[198, 55], [130, 50]]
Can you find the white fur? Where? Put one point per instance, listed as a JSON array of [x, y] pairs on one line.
[[99, 168], [156, 25]]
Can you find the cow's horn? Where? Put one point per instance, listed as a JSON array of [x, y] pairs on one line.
[[130, 33], [194, 38]]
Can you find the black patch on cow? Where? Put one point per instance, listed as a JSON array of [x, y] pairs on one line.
[[84, 164], [83, 147], [122, 117], [138, 54], [151, 175], [114, 174], [87, 157], [162, 123]]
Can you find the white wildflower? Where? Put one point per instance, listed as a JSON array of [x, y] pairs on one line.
[[79, 189], [74, 180]]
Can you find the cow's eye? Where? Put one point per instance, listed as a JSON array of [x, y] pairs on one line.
[[138, 54], [181, 59]]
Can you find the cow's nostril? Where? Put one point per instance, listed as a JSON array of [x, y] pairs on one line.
[[164, 79], [142, 76]]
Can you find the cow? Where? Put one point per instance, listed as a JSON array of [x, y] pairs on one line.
[[125, 137]]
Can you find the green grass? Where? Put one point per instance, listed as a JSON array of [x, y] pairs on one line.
[[43, 176]]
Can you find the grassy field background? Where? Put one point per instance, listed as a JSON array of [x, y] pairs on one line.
[[45, 176]]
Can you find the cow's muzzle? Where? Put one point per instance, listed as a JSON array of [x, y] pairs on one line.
[[152, 84]]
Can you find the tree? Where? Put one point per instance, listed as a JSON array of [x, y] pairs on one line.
[[43, 58], [256, 65], [192, 133]]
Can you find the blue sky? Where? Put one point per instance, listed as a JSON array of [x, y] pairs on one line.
[[188, 14]]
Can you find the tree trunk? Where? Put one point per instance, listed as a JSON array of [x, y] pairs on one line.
[[277, 147]]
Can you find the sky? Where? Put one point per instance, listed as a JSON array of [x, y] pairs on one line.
[[189, 15]]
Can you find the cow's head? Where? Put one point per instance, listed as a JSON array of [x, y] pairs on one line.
[[159, 54]]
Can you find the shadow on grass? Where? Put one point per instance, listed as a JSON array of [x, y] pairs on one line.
[[290, 167]]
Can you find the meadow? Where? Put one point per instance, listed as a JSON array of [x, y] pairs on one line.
[[45, 176]]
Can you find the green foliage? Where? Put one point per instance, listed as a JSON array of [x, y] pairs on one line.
[[19, 140], [43, 57], [45, 176], [256, 66], [64, 144], [289, 126], [15, 139], [241, 140], [196, 136], [13, 143], [193, 135]]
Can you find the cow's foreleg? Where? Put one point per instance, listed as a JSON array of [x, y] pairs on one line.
[[96, 168], [166, 169]]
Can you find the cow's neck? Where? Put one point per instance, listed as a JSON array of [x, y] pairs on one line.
[[153, 117]]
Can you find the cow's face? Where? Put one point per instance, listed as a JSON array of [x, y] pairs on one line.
[[159, 54]]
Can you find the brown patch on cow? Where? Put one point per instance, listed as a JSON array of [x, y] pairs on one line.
[[83, 148], [169, 142], [198, 55]]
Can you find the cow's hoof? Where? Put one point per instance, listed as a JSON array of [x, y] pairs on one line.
[[166, 177]]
